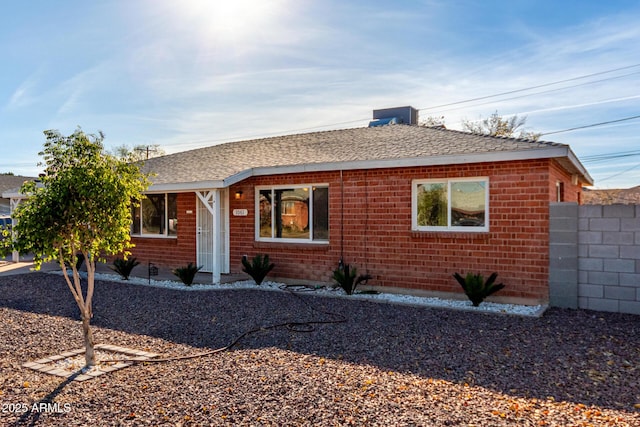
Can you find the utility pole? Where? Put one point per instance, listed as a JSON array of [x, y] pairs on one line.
[[147, 148]]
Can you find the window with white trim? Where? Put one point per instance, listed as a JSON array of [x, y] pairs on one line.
[[156, 216], [293, 213], [450, 204]]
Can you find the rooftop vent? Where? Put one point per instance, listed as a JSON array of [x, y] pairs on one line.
[[391, 116]]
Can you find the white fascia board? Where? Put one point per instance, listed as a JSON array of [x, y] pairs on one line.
[[14, 195], [581, 169], [240, 176]]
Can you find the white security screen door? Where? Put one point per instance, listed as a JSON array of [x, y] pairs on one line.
[[212, 238], [204, 237]]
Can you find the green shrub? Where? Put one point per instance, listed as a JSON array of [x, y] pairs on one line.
[[124, 266], [258, 268], [476, 288], [347, 278], [187, 274]]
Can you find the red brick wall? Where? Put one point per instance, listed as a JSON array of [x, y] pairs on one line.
[[290, 258], [170, 251], [377, 229], [377, 235], [558, 174]]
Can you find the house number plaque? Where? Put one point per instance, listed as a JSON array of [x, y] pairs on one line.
[[240, 212]]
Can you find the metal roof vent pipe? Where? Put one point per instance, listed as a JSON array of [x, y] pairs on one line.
[[392, 116]]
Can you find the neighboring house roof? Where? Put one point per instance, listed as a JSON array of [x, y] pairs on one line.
[[219, 166], [10, 185], [12, 182], [627, 196]]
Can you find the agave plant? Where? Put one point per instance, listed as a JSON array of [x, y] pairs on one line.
[[258, 268], [188, 273], [347, 278], [476, 288], [124, 266]]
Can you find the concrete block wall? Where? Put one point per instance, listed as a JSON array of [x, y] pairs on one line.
[[563, 255], [606, 253]]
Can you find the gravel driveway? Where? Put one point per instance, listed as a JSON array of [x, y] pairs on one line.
[[387, 365]]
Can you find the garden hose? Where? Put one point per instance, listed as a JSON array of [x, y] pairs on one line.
[[303, 326]]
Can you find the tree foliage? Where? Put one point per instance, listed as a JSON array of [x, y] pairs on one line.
[[433, 121], [138, 153], [432, 206], [83, 206], [496, 125]]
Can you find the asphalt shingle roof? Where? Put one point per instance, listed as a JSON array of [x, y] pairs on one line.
[[12, 182], [219, 162]]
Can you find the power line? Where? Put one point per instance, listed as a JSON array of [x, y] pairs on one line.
[[430, 108], [620, 173], [530, 87], [542, 134], [609, 156], [146, 148], [540, 92], [591, 125]]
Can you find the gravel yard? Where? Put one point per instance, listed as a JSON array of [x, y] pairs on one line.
[[387, 365]]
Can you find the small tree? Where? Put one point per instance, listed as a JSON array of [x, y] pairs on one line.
[[83, 207], [138, 153], [495, 125], [433, 121]]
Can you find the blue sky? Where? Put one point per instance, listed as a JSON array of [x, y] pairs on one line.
[[186, 74]]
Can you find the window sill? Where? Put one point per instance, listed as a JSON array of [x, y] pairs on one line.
[[457, 235], [153, 236], [314, 246]]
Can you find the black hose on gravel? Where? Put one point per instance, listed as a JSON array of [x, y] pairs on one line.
[[303, 326]]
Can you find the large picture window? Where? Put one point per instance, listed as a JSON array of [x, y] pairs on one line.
[[451, 204], [296, 214], [156, 216]]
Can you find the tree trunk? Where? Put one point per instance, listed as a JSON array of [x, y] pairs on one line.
[[89, 354]]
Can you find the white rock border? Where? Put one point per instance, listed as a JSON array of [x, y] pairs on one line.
[[485, 307]]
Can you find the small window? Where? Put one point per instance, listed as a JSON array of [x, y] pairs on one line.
[[157, 215], [295, 214], [451, 205], [559, 191]]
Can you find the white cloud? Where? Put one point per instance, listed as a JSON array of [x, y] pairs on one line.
[[173, 78], [24, 95]]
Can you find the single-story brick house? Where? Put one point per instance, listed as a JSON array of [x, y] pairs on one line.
[[408, 204]]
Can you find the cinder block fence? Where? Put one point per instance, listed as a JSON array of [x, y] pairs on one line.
[[594, 257]]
